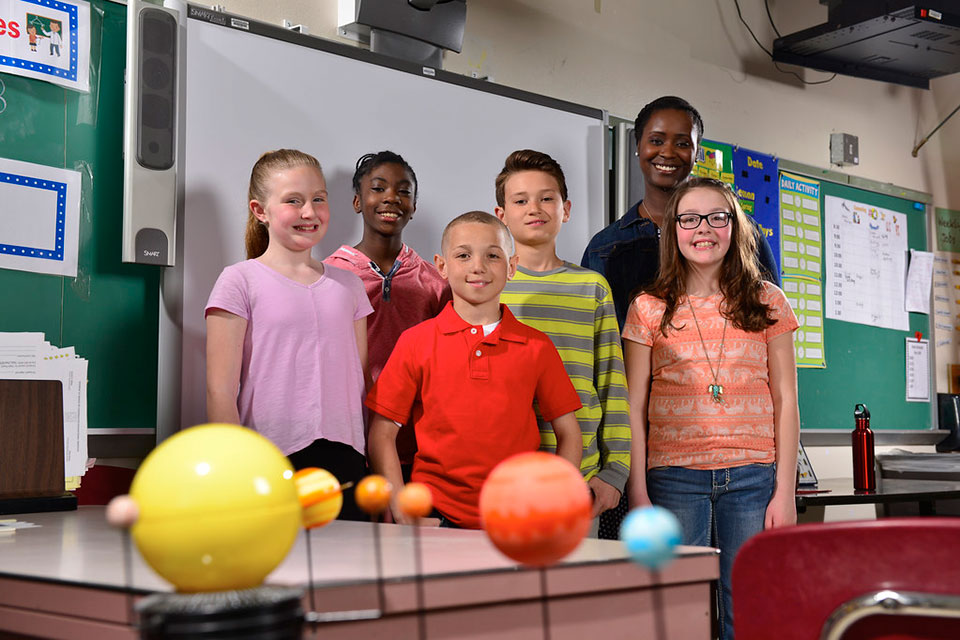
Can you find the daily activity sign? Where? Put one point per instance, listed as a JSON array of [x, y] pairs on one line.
[[46, 40]]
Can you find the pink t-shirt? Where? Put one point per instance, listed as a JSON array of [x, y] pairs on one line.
[[415, 292], [301, 378], [686, 428]]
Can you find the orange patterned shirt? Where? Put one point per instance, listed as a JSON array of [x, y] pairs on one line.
[[686, 427]]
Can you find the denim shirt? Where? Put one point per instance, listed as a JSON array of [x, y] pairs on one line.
[[627, 254]]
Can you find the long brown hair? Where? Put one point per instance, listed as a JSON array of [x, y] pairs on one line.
[[256, 237], [740, 280]]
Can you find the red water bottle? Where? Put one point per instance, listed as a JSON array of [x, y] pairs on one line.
[[864, 478]]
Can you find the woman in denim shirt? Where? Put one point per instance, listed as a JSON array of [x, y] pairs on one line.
[[668, 132]]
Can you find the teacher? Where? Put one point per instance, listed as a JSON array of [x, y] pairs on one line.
[[668, 132]]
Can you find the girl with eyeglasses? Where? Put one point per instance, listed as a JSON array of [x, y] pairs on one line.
[[709, 356]]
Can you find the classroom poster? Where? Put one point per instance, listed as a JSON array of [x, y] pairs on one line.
[[805, 295], [801, 251], [919, 281], [866, 269], [40, 218], [801, 235], [946, 300], [917, 369], [46, 40], [948, 229], [714, 160], [755, 180]]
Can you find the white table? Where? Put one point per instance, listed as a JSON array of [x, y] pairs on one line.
[[65, 579]]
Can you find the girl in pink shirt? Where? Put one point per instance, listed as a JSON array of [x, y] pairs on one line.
[[287, 335], [708, 350]]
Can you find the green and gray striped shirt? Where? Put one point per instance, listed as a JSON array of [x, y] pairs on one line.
[[574, 307]]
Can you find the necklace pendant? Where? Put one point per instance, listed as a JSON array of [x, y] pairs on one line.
[[716, 391]]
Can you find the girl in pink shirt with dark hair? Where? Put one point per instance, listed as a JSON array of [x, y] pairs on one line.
[[286, 334], [712, 379], [403, 288]]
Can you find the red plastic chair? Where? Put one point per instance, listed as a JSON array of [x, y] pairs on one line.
[[818, 580]]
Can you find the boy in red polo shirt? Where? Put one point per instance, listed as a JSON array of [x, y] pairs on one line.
[[467, 380]]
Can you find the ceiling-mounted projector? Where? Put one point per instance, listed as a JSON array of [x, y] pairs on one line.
[[901, 41]]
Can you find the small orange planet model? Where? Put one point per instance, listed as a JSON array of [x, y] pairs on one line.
[[415, 500], [373, 494], [320, 496], [535, 508]]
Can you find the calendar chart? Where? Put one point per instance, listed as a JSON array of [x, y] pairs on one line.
[[866, 264], [801, 252]]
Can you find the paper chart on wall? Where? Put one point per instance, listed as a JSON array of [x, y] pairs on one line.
[[919, 279], [714, 160], [946, 302], [946, 299], [800, 230], [757, 189], [917, 370], [805, 295], [801, 248], [866, 264]]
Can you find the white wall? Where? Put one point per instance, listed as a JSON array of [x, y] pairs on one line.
[[619, 54]]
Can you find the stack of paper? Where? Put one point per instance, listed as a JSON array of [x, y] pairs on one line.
[[27, 356]]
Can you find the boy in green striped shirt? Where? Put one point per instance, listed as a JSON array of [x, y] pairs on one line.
[[574, 307]]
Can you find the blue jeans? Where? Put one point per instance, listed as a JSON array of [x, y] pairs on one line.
[[716, 508]]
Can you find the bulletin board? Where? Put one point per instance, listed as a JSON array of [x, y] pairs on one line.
[[866, 364], [109, 312]]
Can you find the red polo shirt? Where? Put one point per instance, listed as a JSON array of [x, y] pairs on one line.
[[471, 401]]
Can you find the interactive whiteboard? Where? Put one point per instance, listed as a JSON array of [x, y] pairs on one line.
[[252, 87]]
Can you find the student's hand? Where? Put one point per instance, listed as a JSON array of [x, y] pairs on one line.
[[781, 512], [400, 518], [605, 496], [429, 522]]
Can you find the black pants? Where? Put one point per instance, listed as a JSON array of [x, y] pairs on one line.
[[611, 519], [344, 462]]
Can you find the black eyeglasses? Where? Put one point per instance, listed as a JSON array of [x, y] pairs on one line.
[[717, 220]]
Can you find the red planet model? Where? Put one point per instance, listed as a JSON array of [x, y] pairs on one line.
[[535, 508]]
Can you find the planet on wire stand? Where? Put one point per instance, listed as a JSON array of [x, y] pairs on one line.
[[373, 494], [535, 508], [415, 500], [320, 496], [213, 510], [651, 535]]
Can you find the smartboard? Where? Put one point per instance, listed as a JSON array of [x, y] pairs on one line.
[[251, 87]]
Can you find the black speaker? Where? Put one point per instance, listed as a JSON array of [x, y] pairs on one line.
[[157, 89], [948, 413]]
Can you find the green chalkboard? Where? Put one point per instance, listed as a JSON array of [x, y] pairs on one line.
[[109, 312], [865, 363]]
